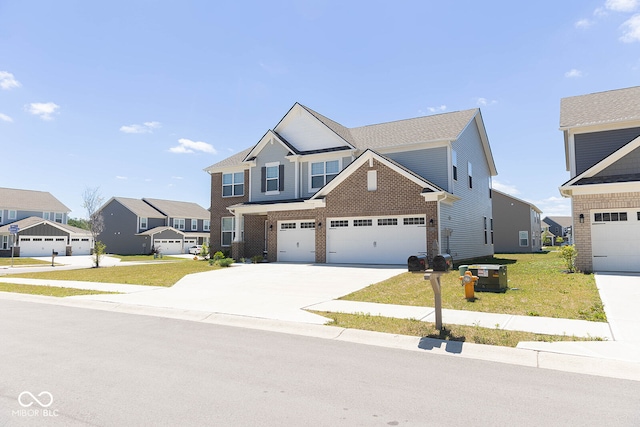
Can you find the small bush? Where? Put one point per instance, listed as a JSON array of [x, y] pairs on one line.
[[225, 262], [256, 259], [218, 255], [569, 253]]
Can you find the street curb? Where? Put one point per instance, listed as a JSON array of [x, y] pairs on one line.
[[514, 356]]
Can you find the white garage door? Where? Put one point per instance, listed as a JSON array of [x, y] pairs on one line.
[[297, 241], [42, 245], [168, 246], [376, 240], [81, 246], [615, 240]]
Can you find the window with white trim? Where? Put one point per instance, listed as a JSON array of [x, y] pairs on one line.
[[610, 216], [1, 211], [13, 214], [58, 218], [233, 184], [144, 223], [206, 225], [470, 173], [194, 224], [178, 223], [273, 178], [228, 230], [5, 242], [46, 215], [523, 237], [486, 234], [323, 172]]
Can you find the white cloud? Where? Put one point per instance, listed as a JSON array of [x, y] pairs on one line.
[[554, 206], [631, 29], [573, 73], [5, 118], [121, 177], [437, 109], [622, 5], [44, 110], [146, 127], [7, 81], [177, 177], [483, 102], [583, 24], [505, 188], [187, 146]]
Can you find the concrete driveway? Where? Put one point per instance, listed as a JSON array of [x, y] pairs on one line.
[[271, 290]]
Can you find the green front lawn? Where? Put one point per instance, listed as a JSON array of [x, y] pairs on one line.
[[50, 291], [22, 261], [153, 274], [538, 286]]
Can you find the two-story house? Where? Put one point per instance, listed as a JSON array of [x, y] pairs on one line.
[[559, 226], [141, 226], [313, 190], [516, 224], [42, 223], [602, 146]]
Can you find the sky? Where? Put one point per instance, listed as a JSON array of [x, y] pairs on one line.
[[136, 98]]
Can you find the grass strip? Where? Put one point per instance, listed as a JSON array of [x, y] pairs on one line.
[[50, 291], [23, 261], [463, 333]]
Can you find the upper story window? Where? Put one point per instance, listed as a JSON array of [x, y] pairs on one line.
[[323, 172], [454, 163], [12, 214], [233, 184], [194, 224], [178, 223], [470, 172], [58, 217], [206, 225], [46, 215], [272, 181], [1, 211], [144, 223]]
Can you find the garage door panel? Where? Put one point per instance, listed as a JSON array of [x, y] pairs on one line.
[[168, 246], [615, 244], [296, 241], [42, 245], [375, 240]]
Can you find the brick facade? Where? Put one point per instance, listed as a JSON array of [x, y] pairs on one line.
[[582, 204], [395, 195], [219, 210]]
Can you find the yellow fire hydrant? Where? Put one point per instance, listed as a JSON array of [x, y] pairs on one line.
[[468, 281]]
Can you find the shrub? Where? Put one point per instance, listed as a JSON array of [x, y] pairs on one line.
[[256, 259], [225, 262], [218, 255], [204, 252], [569, 253]]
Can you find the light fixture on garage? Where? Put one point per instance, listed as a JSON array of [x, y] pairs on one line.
[[581, 218], [319, 225], [270, 226], [431, 222]]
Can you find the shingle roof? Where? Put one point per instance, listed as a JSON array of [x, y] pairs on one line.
[[612, 106], [30, 200], [176, 209], [139, 207], [439, 127], [33, 220]]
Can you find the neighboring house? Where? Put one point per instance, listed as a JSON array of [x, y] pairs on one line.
[[516, 224], [42, 222], [547, 234], [142, 226], [559, 226], [312, 190], [41, 237], [19, 204], [602, 146]]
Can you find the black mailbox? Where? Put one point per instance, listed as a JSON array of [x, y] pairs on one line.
[[442, 262], [417, 263], [54, 253]]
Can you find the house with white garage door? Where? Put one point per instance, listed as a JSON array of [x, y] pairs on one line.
[[313, 190], [602, 147], [141, 226], [42, 237]]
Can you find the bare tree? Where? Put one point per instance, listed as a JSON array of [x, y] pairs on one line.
[[91, 201]]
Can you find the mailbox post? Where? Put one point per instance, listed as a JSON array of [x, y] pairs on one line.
[[53, 256], [441, 265]]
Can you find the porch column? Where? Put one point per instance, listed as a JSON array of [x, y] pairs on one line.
[[237, 246]]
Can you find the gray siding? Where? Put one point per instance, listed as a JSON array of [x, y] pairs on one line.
[[431, 164], [629, 164], [511, 216], [43, 230], [22, 214], [466, 217], [304, 176], [120, 229], [591, 148], [275, 152]]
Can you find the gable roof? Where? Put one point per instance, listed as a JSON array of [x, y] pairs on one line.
[[175, 209], [563, 221], [428, 186], [435, 128], [32, 221], [137, 206], [613, 106], [30, 200]]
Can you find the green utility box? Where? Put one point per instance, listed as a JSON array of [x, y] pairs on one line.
[[491, 277]]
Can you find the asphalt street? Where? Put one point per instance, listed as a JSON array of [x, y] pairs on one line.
[[72, 366]]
